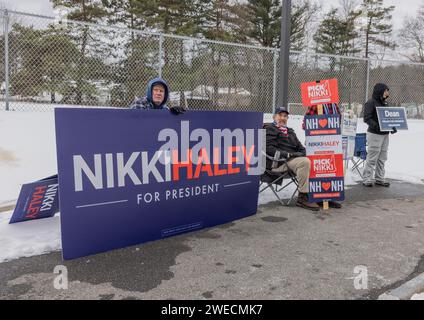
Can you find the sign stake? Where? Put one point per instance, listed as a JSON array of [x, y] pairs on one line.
[[325, 205]]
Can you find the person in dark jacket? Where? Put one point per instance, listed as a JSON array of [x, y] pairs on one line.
[[377, 140], [280, 138], [157, 94]]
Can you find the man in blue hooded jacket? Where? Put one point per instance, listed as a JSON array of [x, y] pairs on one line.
[[156, 97]]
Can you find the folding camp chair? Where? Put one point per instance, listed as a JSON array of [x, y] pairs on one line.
[[360, 153], [274, 180]]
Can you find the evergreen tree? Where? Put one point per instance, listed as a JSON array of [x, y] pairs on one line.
[[265, 22], [92, 49], [264, 16], [302, 13], [125, 13], [336, 35], [168, 16], [377, 28], [44, 61]]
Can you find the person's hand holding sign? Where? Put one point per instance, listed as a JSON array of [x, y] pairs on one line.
[[177, 110], [394, 130]]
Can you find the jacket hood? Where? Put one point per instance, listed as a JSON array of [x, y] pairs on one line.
[[379, 89], [149, 95]]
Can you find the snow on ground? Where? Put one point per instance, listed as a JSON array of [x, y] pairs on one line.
[[28, 153], [29, 238], [419, 296], [405, 152], [27, 150]]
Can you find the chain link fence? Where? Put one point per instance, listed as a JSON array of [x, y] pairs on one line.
[[45, 63]]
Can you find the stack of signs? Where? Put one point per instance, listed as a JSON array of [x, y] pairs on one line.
[[37, 200], [324, 145], [350, 123], [324, 149]]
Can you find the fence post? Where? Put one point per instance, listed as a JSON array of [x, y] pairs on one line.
[[274, 82], [160, 55], [6, 58], [367, 82]]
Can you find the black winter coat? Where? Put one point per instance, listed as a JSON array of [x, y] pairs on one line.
[[370, 111], [290, 144]]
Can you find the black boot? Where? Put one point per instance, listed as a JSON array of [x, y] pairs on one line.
[[382, 183]]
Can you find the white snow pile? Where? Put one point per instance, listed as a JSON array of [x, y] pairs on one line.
[[28, 153], [28, 238]]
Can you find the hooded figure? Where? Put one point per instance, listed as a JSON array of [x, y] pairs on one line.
[[147, 101], [377, 141], [157, 88], [370, 112]]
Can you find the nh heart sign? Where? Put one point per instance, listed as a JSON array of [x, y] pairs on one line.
[[322, 125], [324, 148]]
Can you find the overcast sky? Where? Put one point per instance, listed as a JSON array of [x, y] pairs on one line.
[[403, 8]]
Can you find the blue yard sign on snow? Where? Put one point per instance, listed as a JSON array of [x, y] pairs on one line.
[[115, 191], [37, 200]]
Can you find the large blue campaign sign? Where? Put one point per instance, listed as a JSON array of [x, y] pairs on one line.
[[37, 200], [118, 187], [392, 117]]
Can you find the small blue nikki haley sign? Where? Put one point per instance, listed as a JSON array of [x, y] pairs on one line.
[[37, 200], [131, 176]]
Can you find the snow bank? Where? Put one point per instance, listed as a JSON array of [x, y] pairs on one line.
[[29, 238], [27, 150], [419, 296]]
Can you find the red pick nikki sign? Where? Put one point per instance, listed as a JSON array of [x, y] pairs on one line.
[[326, 166], [320, 92]]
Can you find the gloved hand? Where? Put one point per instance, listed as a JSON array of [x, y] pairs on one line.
[[177, 110], [394, 130]]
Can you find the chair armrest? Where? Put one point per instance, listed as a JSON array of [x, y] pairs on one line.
[[276, 160]]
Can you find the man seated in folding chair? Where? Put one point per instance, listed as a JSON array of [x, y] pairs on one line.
[[280, 138]]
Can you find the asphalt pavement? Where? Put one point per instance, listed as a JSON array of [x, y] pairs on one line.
[[279, 253]]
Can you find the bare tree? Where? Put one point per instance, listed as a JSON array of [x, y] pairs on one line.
[[411, 36], [348, 6]]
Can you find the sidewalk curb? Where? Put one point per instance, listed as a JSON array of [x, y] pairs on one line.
[[405, 291]]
